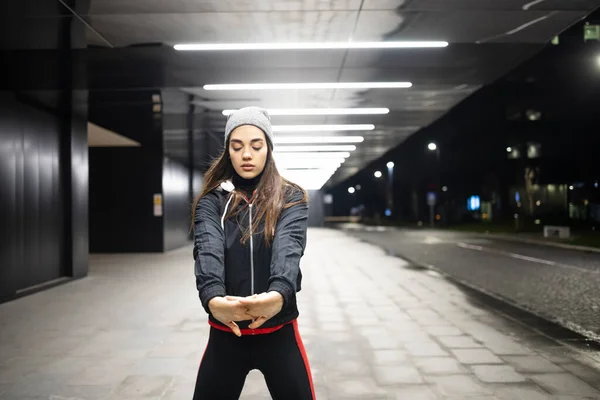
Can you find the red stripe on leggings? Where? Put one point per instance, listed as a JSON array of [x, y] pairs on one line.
[[247, 331], [202, 359], [304, 357]]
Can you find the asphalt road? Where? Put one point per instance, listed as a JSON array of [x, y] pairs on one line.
[[557, 284]]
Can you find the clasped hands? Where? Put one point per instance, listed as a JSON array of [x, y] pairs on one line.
[[258, 308]]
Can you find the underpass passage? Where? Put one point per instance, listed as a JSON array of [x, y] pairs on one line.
[[373, 325], [557, 284]]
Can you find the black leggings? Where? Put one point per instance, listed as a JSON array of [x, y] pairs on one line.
[[279, 355]]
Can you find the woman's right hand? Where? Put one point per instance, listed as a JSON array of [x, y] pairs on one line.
[[228, 310]]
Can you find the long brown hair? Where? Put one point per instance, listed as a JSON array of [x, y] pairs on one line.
[[269, 201]]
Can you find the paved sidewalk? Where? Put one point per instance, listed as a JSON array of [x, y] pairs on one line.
[[374, 328]]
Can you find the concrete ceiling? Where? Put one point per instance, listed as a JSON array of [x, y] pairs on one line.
[[486, 39]]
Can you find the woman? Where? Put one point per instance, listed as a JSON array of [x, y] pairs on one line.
[[249, 235]]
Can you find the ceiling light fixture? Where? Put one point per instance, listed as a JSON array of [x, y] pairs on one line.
[[310, 46], [318, 139], [321, 111], [328, 148], [322, 128], [311, 155], [314, 85]]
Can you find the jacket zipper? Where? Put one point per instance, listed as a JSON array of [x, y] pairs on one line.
[[251, 253]]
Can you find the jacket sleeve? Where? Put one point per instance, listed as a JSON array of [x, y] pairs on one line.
[[209, 250], [288, 248]]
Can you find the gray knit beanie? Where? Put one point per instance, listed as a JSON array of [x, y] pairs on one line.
[[255, 116]]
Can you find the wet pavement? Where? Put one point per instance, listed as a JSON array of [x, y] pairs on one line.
[[374, 326], [558, 284]]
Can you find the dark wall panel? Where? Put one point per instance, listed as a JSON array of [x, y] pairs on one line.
[[316, 208], [31, 198], [11, 158], [123, 182], [79, 196], [177, 206]]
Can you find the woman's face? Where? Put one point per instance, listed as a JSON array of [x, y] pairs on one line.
[[248, 151]]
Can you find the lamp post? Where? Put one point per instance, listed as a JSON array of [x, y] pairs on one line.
[[390, 189], [433, 197]]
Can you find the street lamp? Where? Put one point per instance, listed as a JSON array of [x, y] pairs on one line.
[[432, 198], [390, 200], [351, 190], [378, 174]]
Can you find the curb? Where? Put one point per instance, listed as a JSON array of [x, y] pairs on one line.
[[535, 241]]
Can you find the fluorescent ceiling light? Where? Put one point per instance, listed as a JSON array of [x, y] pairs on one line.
[[321, 111], [312, 155], [311, 179], [309, 46], [322, 128], [319, 85], [309, 163], [306, 167], [316, 148], [318, 139]]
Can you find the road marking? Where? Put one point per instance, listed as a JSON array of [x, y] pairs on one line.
[[524, 258]]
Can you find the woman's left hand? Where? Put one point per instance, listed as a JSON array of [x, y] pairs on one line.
[[262, 306]]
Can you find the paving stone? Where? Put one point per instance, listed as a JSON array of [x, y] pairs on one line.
[[48, 390], [439, 366], [459, 386], [458, 342], [443, 331], [424, 349], [392, 375], [142, 387], [506, 347], [356, 388], [350, 367], [521, 392], [383, 341], [497, 374], [476, 356], [532, 364], [564, 384], [587, 374], [420, 392], [389, 357]]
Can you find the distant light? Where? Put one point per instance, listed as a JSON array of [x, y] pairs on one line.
[[358, 187], [390, 164], [388, 212], [315, 85], [432, 146], [533, 115], [323, 128], [378, 174], [571, 187], [308, 46], [509, 149], [538, 203], [351, 190], [538, 221], [321, 111], [317, 139], [596, 185], [445, 189]]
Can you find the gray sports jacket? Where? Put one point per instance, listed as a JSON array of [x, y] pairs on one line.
[[223, 266]]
